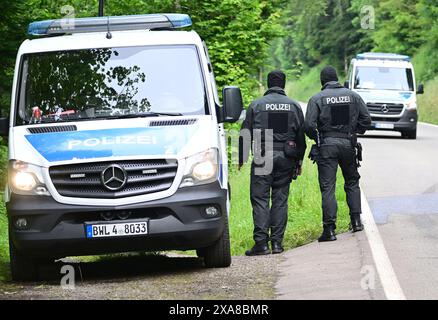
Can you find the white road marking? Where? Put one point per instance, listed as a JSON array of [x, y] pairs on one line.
[[388, 278], [429, 124]]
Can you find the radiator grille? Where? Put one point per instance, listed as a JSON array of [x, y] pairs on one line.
[[140, 177], [385, 108]]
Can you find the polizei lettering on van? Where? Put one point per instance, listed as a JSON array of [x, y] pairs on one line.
[[338, 100], [278, 107], [119, 140]]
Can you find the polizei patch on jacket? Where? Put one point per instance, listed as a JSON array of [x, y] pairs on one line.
[[90, 144], [338, 100], [278, 107]]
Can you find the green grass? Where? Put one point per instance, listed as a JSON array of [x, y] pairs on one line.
[[306, 86], [304, 222], [4, 246], [428, 102]]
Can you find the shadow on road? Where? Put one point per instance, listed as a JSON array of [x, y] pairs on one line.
[[122, 267]]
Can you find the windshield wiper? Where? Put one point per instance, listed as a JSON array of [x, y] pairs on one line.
[[142, 115]]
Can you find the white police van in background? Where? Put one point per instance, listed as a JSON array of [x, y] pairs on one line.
[[386, 82], [116, 142]]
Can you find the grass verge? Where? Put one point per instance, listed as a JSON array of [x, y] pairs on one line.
[[306, 86], [304, 222], [4, 245], [428, 102]]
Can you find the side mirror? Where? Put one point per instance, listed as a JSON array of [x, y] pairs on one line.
[[420, 89], [347, 84], [4, 127], [233, 104]]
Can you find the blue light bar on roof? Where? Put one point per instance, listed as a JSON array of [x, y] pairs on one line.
[[114, 23], [382, 56]]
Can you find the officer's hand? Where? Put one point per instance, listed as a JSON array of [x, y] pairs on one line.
[[299, 170]]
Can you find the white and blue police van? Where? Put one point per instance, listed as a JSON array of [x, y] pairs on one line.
[[116, 142], [386, 82]]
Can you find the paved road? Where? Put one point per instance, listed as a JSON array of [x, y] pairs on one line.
[[400, 180]]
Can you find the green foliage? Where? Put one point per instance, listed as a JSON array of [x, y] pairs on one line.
[[237, 32], [306, 86], [428, 107], [318, 30], [4, 244], [400, 28]]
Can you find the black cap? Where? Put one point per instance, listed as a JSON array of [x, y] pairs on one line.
[[328, 74], [276, 78]]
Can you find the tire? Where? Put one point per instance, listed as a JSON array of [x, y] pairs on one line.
[[412, 135], [22, 267], [219, 254]]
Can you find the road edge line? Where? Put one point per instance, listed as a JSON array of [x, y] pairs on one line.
[[429, 124], [388, 278]]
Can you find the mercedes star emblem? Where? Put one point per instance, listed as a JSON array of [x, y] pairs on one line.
[[385, 108], [114, 177]]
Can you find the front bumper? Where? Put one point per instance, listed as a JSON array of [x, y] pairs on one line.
[[175, 223], [407, 122]]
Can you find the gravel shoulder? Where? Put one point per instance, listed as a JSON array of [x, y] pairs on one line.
[[145, 277]]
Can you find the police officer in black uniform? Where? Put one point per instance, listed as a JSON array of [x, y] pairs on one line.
[[333, 119], [280, 119]]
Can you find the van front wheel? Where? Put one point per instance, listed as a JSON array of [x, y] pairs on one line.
[[219, 254], [410, 134], [22, 267]]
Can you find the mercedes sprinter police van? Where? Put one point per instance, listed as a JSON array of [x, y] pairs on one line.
[[116, 142], [386, 82]]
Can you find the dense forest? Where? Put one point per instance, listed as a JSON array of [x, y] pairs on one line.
[[248, 37]]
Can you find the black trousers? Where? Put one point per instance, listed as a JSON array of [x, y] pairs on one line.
[[333, 153], [271, 187]]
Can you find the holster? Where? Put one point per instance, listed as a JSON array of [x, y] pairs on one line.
[[359, 153], [290, 149]]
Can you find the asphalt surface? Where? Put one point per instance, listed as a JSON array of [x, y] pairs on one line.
[[400, 179]]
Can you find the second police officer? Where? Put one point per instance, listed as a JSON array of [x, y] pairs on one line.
[[275, 126], [333, 119]]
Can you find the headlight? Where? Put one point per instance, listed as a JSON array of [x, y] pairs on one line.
[[201, 168], [26, 179], [411, 105]]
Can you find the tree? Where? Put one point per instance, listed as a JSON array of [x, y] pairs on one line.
[[237, 32], [400, 27]]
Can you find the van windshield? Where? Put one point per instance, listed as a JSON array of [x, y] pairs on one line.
[[384, 78], [108, 83]]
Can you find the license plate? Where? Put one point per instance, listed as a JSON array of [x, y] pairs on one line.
[[384, 126], [108, 230]]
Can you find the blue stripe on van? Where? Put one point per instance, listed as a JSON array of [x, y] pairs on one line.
[[63, 146]]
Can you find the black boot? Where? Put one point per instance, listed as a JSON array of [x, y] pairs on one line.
[[277, 247], [356, 224], [328, 234], [260, 249]]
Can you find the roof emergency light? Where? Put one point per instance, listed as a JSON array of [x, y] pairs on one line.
[[382, 56], [114, 23]]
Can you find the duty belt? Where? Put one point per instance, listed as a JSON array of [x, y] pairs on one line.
[[332, 134], [276, 146]]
